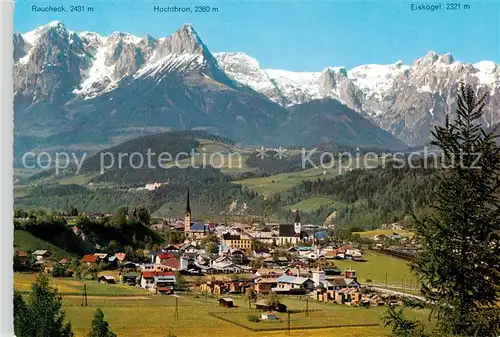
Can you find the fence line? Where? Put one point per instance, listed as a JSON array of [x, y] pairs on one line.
[[215, 314]]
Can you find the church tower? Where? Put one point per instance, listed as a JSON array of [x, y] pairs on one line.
[[187, 217], [297, 226]]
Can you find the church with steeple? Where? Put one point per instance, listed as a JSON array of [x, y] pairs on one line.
[[196, 229], [291, 233], [187, 217]]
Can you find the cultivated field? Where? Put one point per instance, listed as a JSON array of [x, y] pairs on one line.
[[378, 267], [71, 286], [132, 312], [387, 232]]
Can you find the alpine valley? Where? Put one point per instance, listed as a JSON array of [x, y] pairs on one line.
[[83, 91]]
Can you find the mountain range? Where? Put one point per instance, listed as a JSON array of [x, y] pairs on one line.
[[83, 90]]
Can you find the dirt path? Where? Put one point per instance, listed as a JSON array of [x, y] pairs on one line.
[[133, 297]]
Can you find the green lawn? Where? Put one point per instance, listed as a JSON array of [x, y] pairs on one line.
[[80, 179], [71, 286], [156, 317], [25, 241], [378, 266], [387, 232], [333, 315], [133, 313], [281, 182]]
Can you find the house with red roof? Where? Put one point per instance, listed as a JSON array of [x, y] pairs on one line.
[[149, 279], [171, 264], [162, 257], [120, 256], [22, 256], [90, 259]]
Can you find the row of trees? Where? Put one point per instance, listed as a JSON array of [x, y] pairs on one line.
[[41, 314]]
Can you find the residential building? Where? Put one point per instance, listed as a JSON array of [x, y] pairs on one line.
[[164, 284], [293, 285], [237, 241], [41, 254], [90, 259], [108, 279]]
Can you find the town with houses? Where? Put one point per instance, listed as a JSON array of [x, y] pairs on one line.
[[306, 266]]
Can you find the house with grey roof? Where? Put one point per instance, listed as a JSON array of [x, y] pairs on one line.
[[293, 285]]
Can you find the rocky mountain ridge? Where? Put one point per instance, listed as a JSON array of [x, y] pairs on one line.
[[406, 100], [91, 87]]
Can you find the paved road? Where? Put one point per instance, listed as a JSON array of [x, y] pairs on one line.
[[394, 292]]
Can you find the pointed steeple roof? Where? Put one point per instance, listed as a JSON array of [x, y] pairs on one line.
[[297, 216], [188, 207]]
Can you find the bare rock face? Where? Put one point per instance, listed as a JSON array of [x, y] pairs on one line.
[[76, 83], [50, 66], [405, 100], [67, 79]]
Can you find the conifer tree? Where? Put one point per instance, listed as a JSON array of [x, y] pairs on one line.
[[460, 254], [41, 315], [100, 328]]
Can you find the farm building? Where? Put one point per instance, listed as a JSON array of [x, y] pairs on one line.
[[266, 306], [226, 302], [106, 279], [269, 316]]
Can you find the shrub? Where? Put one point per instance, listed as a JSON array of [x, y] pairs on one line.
[[253, 318], [369, 280]]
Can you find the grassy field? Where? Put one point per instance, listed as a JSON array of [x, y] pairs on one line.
[[25, 241], [281, 182], [333, 315], [311, 204], [132, 313], [156, 317], [70, 286], [387, 232], [378, 266]]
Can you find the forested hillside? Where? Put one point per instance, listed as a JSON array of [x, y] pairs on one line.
[[362, 198]]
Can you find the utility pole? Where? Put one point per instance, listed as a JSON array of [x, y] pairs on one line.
[[176, 308], [307, 306], [84, 295], [289, 322], [386, 279], [402, 285]]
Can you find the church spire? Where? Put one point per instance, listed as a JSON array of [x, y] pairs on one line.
[[297, 216], [188, 207]]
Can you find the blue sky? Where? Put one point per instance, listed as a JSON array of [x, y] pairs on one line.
[[299, 36]]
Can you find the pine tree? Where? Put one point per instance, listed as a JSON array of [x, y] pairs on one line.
[[22, 325], [100, 328], [459, 263], [41, 315]]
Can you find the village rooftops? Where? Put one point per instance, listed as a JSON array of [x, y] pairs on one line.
[[305, 249], [292, 279], [198, 227], [172, 263], [287, 230], [229, 236], [120, 256], [41, 252], [165, 278], [90, 258]]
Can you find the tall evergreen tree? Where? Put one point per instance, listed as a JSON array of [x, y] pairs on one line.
[[459, 263], [100, 328], [41, 316]]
